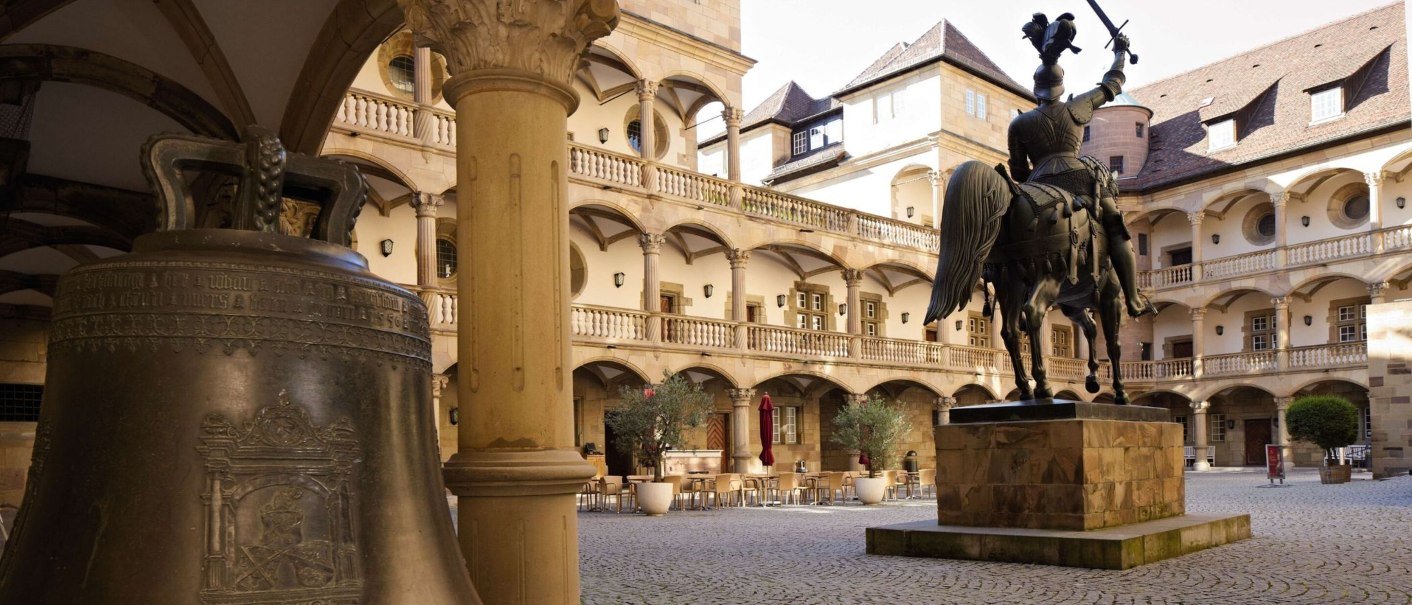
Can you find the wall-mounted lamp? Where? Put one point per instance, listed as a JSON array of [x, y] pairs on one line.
[[602, 135], [911, 210], [843, 309], [1220, 330], [1401, 202], [709, 290], [958, 325], [779, 300], [386, 247], [455, 416], [906, 316], [1215, 238], [618, 279], [1308, 320], [1230, 425], [1304, 220]]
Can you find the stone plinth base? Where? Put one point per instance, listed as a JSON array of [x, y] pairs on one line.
[[1110, 548], [1059, 465]]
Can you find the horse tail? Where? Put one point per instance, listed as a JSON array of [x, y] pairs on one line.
[[977, 199]]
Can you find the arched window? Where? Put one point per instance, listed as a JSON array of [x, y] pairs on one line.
[[445, 257], [402, 70], [635, 135]]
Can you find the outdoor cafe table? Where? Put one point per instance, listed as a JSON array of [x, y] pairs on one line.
[[762, 481]]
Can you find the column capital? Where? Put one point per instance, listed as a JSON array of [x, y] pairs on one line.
[[1195, 218], [1200, 407], [737, 257], [1281, 303], [546, 38], [741, 397], [933, 177], [1373, 179], [651, 242], [646, 90], [1377, 289], [427, 204], [1282, 403], [732, 116], [439, 382], [1198, 314], [945, 403], [1280, 198], [852, 277]]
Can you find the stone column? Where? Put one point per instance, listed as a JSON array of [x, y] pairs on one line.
[[944, 405], [652, 284], [741, 449], [1198, 336], [1196, 218], [853, 278], [438, 382], [1377, 293], [1375, 207], [516, 471], [1281, 332], [426, 205], [1280, 200], [732, 116], [1282, 436], [647, 144], [737, 259], [938, 192], [1198, 425]]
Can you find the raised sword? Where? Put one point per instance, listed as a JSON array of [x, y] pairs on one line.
[[1113, 30]]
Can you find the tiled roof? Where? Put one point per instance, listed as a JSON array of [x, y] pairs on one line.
[[942, 41], [787, 105], [1266, 89], [825, 157]]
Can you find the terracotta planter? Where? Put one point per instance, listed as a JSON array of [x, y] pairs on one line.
[[870, 490], [654, 498], [1336, 473]]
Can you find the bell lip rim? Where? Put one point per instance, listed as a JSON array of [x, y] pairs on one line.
[[255, 241]]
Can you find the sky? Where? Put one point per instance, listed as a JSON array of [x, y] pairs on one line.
[[823, 44]]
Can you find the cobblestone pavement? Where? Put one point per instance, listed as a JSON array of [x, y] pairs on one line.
[[1312, 544]]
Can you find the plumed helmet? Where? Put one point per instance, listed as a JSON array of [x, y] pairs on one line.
[[1049, 82]]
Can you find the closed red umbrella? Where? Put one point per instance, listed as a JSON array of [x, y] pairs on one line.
[[767, 431]]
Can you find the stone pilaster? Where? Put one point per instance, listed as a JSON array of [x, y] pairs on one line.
[[1375, 207], [1198, 426], [647, 137], [741, 446], [438, 382], [738, 258], [427, 205], [1281, 331], [516, 471], [732, 116], [651, 244], [1282, 436], [853, 279], [1280, 201], [1196, 218], [1198, 340], [423, 120]]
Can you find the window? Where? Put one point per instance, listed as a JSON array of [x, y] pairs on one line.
[[1142, 244], [870, 310], [801, 142], [445, 257], [1218, 428], [1263, 334], [786, 424], [1139, 128], [873, 312], [1221, 135], [1115, 163], [1179, 257], [1186, 428], [635, 135], [970, 102], [402, 71], [20, 402], [1350, 321], [816, 137], [1356, 208], [809, 309], [1144, 351], [1266, 225], [1367, 417], [980, 106], [1086, 134], [1061, 339], [978, 331], [1326, 104], [931, 335]]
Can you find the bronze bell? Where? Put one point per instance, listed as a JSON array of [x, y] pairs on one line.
[[237, 416]]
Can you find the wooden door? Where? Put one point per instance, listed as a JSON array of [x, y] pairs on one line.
[[718, 437], [1182, 349], [1257, 436], [619, 462]]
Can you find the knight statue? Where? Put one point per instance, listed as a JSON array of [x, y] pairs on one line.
[[1044, 141]]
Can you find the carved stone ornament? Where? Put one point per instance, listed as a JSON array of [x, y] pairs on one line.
[[545, 37], [284, 532]]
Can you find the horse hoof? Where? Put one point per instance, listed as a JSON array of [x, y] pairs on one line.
[[1043, 394], [1091, 384]]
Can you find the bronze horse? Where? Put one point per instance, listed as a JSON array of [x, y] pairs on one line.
[[1038, 248]]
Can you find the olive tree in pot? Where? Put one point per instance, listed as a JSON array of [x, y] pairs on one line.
[[650, 421], [875, 429], [1328, 422]]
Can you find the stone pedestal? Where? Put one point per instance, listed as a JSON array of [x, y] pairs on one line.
[[1032, 481]]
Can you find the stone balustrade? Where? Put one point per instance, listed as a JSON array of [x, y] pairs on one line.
[[698, 332], [1328, 356], [1240, 264], [441, 307], [1253, 362]]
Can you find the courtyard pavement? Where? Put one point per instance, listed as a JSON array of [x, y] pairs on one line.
[[1312, 544]]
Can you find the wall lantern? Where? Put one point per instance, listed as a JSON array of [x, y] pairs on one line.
[[779, 300], [455, 416], [1401, 202], [1308, 320], [1304, 220], [843, 309], [602, 135], [906, 316], [618, 279], [1230, 425], [386, 247], [709, 290], [1215, 238], [1220, 330], [911, 210], [958, 325]]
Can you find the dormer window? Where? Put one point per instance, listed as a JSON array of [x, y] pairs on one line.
[[1326, 104], [801, 142], [1221, 135]]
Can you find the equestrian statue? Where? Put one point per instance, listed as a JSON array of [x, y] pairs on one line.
[[1048, 231]]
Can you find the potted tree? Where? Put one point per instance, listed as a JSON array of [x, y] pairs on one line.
[[650, 421], [1328, 422], [874, 428]]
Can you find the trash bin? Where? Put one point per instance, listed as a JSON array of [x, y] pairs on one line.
[[909, 462]]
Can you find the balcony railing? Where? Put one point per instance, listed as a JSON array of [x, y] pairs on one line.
[[1346, 247], [372, 113], [1258, 362], [609, 323], [695, 331], [912, 352], [790, 341], [441, 308], [1253, 262], [1325, 250], [1328, 356]]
